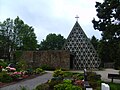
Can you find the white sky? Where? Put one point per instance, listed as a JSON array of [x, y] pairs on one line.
[[52, 16]]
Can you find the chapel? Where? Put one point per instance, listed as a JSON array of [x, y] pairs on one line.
[[82, 53]]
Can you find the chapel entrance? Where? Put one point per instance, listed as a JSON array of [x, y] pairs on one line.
[[71, 61]]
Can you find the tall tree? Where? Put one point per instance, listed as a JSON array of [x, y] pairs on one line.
[[15, 35], [94, 42], [6, 29], [108, 14], [52, 42], [25, 37]]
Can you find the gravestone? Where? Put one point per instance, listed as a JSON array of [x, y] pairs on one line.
[[105, 86]]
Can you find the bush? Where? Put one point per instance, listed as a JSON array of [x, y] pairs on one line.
[[67, 85], [67, 74], [94, 80], [78, 76], [42, 87], [30, 71], [58, 73], [3, 64], [94, 84], [81, 77], [38, 70], [21, 65], [67, 81], [54, 82], [92, 76], [5, 78], [15, 76]]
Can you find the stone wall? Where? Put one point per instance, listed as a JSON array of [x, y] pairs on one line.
[[52, 58]]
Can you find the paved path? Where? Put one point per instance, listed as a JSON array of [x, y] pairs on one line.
[[29, 84], [104, 75]]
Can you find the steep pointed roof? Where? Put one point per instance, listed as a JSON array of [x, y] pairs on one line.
[[80, 46]]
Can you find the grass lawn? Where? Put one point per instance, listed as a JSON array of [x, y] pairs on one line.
[[114, 86]]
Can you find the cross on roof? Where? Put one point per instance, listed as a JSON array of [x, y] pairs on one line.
[[77, 17]]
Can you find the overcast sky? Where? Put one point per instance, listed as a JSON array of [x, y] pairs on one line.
[[52, 16]]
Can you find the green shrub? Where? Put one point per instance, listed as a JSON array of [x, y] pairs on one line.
[[5, 78], [73, 87], [42, 87], [67, 81], [78, 76], [92, 76], [3, 64], [38, 70], [81, 77], [30, 71], [21, 65], [67, 74], [58, 73], [54, 82], [67, 85], [15, 77], [94, 84]]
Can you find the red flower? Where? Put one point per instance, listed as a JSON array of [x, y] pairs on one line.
[[0, 67], [24, 76], [19, 73], [79, 82]]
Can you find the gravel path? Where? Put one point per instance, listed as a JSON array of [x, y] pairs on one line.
[[29, 84]]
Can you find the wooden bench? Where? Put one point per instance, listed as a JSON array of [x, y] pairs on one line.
[[113, 76]]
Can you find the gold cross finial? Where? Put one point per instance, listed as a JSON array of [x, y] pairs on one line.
[[77, 17]]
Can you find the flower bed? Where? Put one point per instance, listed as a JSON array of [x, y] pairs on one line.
[[8, 77], [63, 80]]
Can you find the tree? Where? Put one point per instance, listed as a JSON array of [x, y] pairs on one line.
[[15, 35], [52, 42], [108, 22], [109, 19], [24, 35], [94, 42], [6, 29]]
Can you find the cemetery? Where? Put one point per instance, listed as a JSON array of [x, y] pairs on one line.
[[61, 79], [77, 54], [57, 63]]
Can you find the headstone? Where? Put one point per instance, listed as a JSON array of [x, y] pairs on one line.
[[105, 86], [89, 89]]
